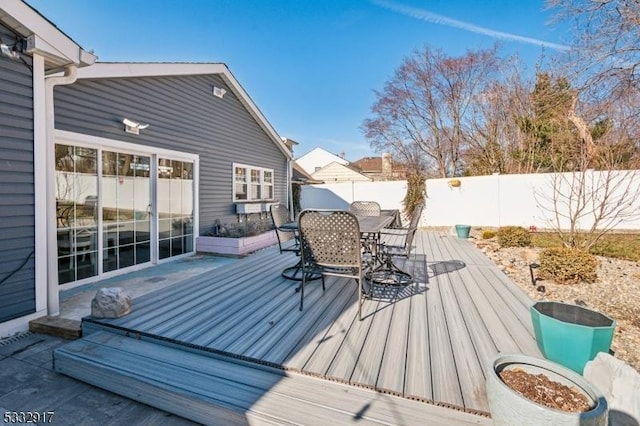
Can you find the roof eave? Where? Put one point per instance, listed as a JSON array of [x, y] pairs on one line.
[[43, 38]]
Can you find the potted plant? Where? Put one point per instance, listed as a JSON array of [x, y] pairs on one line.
[[523, 390], [237, 239], [462, 231], [569, 334]]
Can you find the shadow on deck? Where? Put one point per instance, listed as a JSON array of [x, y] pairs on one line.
[[427, 342]]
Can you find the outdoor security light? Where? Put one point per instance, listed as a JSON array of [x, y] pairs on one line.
[[131, 126]]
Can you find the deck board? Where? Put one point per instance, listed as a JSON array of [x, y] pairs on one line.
[[343, 364], [429, 341], [216, 390]]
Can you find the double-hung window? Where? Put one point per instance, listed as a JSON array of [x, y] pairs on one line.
[[252, 183]]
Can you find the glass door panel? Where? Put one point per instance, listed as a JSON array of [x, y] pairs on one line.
[[126, 203], [175, 207], [76, 211]]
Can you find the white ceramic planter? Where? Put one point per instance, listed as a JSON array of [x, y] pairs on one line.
[[510, 408]]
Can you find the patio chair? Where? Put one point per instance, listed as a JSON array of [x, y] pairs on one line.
[[280, 216], [399, 241], [330, 245], [365, 208]]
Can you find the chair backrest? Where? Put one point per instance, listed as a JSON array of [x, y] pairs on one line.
[[413, 227], [365, 208], [280, 216], [330, 238], [415, 216]]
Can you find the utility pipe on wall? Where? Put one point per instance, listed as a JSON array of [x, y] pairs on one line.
[[69, 77]]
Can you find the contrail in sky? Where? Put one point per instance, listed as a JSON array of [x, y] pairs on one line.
[[427, 16]]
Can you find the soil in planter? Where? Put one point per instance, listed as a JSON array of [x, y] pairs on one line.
[[540, 389]]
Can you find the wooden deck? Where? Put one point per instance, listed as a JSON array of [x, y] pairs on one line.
[[429, 342]]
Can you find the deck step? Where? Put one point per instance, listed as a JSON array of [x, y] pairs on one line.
[[212, 389], [56, 326]]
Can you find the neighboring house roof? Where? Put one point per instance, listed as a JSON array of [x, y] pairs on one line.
[[336, 172], [42, 36], [318, 158], [157, 69], [369, 164], [298, 175], [373, 166]]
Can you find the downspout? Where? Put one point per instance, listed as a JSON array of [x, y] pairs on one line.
[[69, 77], [289, 190]]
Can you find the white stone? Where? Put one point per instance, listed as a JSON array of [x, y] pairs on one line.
[[620, 384], [111, 302]]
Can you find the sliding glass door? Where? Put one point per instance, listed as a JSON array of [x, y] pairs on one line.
[[116, 210]]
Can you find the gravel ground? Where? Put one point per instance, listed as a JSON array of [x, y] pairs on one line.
[[616, 292]]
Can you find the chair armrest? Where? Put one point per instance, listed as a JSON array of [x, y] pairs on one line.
[[394, 231]]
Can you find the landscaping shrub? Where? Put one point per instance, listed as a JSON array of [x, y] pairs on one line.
[[487, 235], [513, 236], [567, 265]]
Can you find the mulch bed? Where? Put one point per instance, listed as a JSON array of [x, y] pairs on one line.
[[540, 389]]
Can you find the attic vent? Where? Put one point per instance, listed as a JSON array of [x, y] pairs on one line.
[[219, 92]]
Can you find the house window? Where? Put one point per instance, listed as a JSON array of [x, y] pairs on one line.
[[267, 184], [240, 185], [252, 183], [256, 184]]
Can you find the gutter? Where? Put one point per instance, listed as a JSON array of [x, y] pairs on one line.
[[53, 297]]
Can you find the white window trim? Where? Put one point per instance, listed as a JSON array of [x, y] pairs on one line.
[[263, 185]]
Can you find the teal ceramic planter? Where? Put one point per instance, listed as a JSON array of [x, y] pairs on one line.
[[463, 231], [571, 335]]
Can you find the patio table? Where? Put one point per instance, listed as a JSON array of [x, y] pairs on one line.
[[381, 270], [395, 214]]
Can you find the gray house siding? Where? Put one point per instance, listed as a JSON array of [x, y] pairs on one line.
[[17, 214], [183, 115]]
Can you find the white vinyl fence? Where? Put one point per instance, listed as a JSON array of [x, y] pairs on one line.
[[496, 200]]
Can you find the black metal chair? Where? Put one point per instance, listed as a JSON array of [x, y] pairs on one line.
[[365, 208], [280, 216], [330, 245], [390, 245]]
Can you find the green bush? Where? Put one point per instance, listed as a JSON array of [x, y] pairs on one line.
[[568, 265], [487, 235], [514, 236]]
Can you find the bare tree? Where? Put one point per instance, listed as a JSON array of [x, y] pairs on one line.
[[606, 45], [583, 206], [425, 108], [496, 137]]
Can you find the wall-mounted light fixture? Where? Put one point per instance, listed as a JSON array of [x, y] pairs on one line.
[[131, 126], [11, 51], [219, 92]]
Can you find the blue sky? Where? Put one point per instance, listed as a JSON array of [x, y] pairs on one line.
[[311, 66]]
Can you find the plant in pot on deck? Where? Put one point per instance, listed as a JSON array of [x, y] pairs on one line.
[[524, 390], [570, 334]]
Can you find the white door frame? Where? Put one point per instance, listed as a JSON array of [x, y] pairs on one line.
[[95, 142]]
